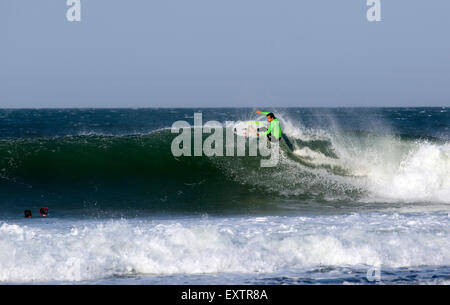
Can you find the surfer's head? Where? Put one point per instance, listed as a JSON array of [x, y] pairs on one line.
[[43, 211], [270, 117], [27, 214]]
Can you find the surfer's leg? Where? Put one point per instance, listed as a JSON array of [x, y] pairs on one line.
[[272, 139], [288, 142]]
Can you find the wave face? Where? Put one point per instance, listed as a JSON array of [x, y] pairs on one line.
[[112, 172], [323, 164]]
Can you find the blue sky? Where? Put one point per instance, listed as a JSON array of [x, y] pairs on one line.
[[217, 53]]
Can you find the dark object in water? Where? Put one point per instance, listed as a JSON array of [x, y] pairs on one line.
[[43, 211]]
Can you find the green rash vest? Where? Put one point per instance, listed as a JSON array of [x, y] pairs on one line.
[[274, 128]]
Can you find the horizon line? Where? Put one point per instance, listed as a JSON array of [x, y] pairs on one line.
[[212, 107]]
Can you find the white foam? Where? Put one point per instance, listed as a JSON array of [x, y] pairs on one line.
[[390, 169], [101, 249], [423, 175]]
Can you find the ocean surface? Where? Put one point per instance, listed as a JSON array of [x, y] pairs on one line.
[[360, 196]]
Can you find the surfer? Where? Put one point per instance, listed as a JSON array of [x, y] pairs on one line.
[[273, 133]]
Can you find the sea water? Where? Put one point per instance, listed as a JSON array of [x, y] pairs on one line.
[[362, 198]]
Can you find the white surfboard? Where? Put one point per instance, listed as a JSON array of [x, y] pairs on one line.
[[249, 129]]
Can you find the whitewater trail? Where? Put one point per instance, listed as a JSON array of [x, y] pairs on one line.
[[388, 167]]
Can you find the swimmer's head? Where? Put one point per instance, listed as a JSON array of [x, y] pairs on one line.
[[43, 211], [27, 214]]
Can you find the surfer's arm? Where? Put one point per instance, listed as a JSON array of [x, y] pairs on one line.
[[262, 112], [269, 130]]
